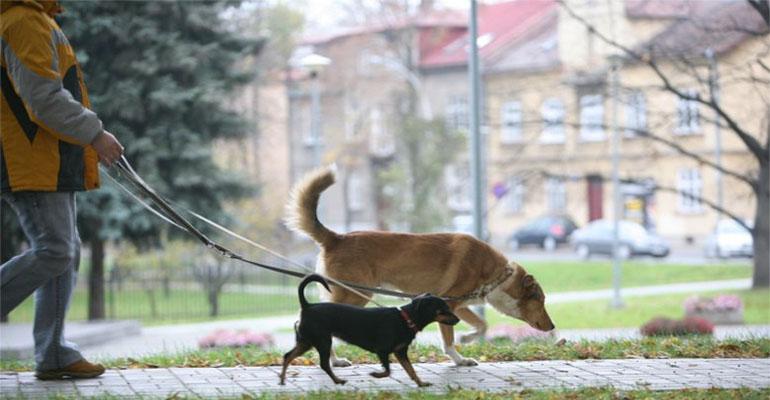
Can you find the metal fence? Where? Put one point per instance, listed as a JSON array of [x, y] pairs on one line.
[[186, 293]]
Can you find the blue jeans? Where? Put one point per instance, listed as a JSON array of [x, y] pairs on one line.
[[48, 268]]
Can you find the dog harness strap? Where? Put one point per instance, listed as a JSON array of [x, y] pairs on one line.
[[409, 322]]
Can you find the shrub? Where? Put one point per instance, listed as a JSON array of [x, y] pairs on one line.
[[661, 326], [516, 333], [226, 338]]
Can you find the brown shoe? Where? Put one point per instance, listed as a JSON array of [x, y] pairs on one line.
[[79, 370]]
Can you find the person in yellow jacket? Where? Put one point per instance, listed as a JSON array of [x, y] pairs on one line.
[[50, 145]]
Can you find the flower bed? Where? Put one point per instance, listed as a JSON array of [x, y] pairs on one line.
[[720, 310], [242, 338], [675, 327]]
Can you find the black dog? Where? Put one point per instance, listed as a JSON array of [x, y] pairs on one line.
[[379, 330]]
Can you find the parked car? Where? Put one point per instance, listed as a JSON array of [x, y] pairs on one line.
[[729, 239], [597, 238], [546, 232]]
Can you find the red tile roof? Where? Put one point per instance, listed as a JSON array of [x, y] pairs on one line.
[[499, 25]]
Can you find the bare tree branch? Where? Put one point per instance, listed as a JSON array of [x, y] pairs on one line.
[[752, 143], [653, 187]]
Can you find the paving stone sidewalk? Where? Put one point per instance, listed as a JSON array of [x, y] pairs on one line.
[[660, 374]]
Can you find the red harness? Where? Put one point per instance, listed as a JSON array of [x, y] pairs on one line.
[[408, 320]]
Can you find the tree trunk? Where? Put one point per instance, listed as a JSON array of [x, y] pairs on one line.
[[761, 235], [213, 303], [96, 308]]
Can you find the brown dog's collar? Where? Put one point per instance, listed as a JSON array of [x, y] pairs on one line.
[[409, 322], [487, 288]]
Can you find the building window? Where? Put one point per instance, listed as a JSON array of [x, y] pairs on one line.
[[688, 186], [510, 122], [592, 118], [458, 187], [636, 114], [381, 143], [456, 113], [687, 114], [556, 195], [351, 119], [552, 112], [514, 199], [356, 191]]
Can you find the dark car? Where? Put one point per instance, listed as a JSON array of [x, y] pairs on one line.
[[597, 238], [546, 232]]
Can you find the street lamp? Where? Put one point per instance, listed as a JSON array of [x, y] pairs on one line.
[[314, 64], [617, 301]]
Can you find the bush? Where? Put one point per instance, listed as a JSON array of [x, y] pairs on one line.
[[661, 326]]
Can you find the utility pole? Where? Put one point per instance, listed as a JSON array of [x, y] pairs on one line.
[[617, 301], [714, 92], [475, 131]]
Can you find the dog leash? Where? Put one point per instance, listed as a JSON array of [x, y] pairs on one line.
[[171, 216]]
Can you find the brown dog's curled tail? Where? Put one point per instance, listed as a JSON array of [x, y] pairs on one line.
[[301, 291], [301, 214]]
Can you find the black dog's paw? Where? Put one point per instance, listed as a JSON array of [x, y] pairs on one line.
[[424, 384], [340, 381], [381, 374]]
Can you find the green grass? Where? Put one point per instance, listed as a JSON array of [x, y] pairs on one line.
[[579, 275], [598, 313], [657, 347], [191, 305], [179, 306]]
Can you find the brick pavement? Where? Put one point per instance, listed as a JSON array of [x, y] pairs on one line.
[[660, 374]]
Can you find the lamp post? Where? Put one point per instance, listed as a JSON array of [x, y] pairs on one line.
[[314, 64], [617, 301], [714, 91]]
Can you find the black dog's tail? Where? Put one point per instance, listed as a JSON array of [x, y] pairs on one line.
[[301, 291]]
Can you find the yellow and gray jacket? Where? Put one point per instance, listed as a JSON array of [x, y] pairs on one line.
[[46, 126]]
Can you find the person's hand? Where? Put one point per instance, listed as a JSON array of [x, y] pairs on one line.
[[107, 147]]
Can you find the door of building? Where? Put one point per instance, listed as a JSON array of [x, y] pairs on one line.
[[595, 198]]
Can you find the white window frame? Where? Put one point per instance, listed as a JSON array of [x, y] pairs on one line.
[[356, 190], [592, 118], [458, 187], [553, 113], [511, 120], [636, 114], [687, 114], [381, 143], [514, 199], [556, 194], [456, 113], [689, 183]]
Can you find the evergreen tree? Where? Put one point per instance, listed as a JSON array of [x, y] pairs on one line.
[[159, 75]]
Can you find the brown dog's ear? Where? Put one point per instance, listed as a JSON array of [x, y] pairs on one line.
[[527, 281]]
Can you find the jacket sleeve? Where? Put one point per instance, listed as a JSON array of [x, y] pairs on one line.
[[30, 53]]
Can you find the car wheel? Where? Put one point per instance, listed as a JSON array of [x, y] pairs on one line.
[[624, 252], [549, 243], [583, 251], [513, 244]]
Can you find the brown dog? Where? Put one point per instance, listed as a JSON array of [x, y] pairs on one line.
[[450, 265]]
